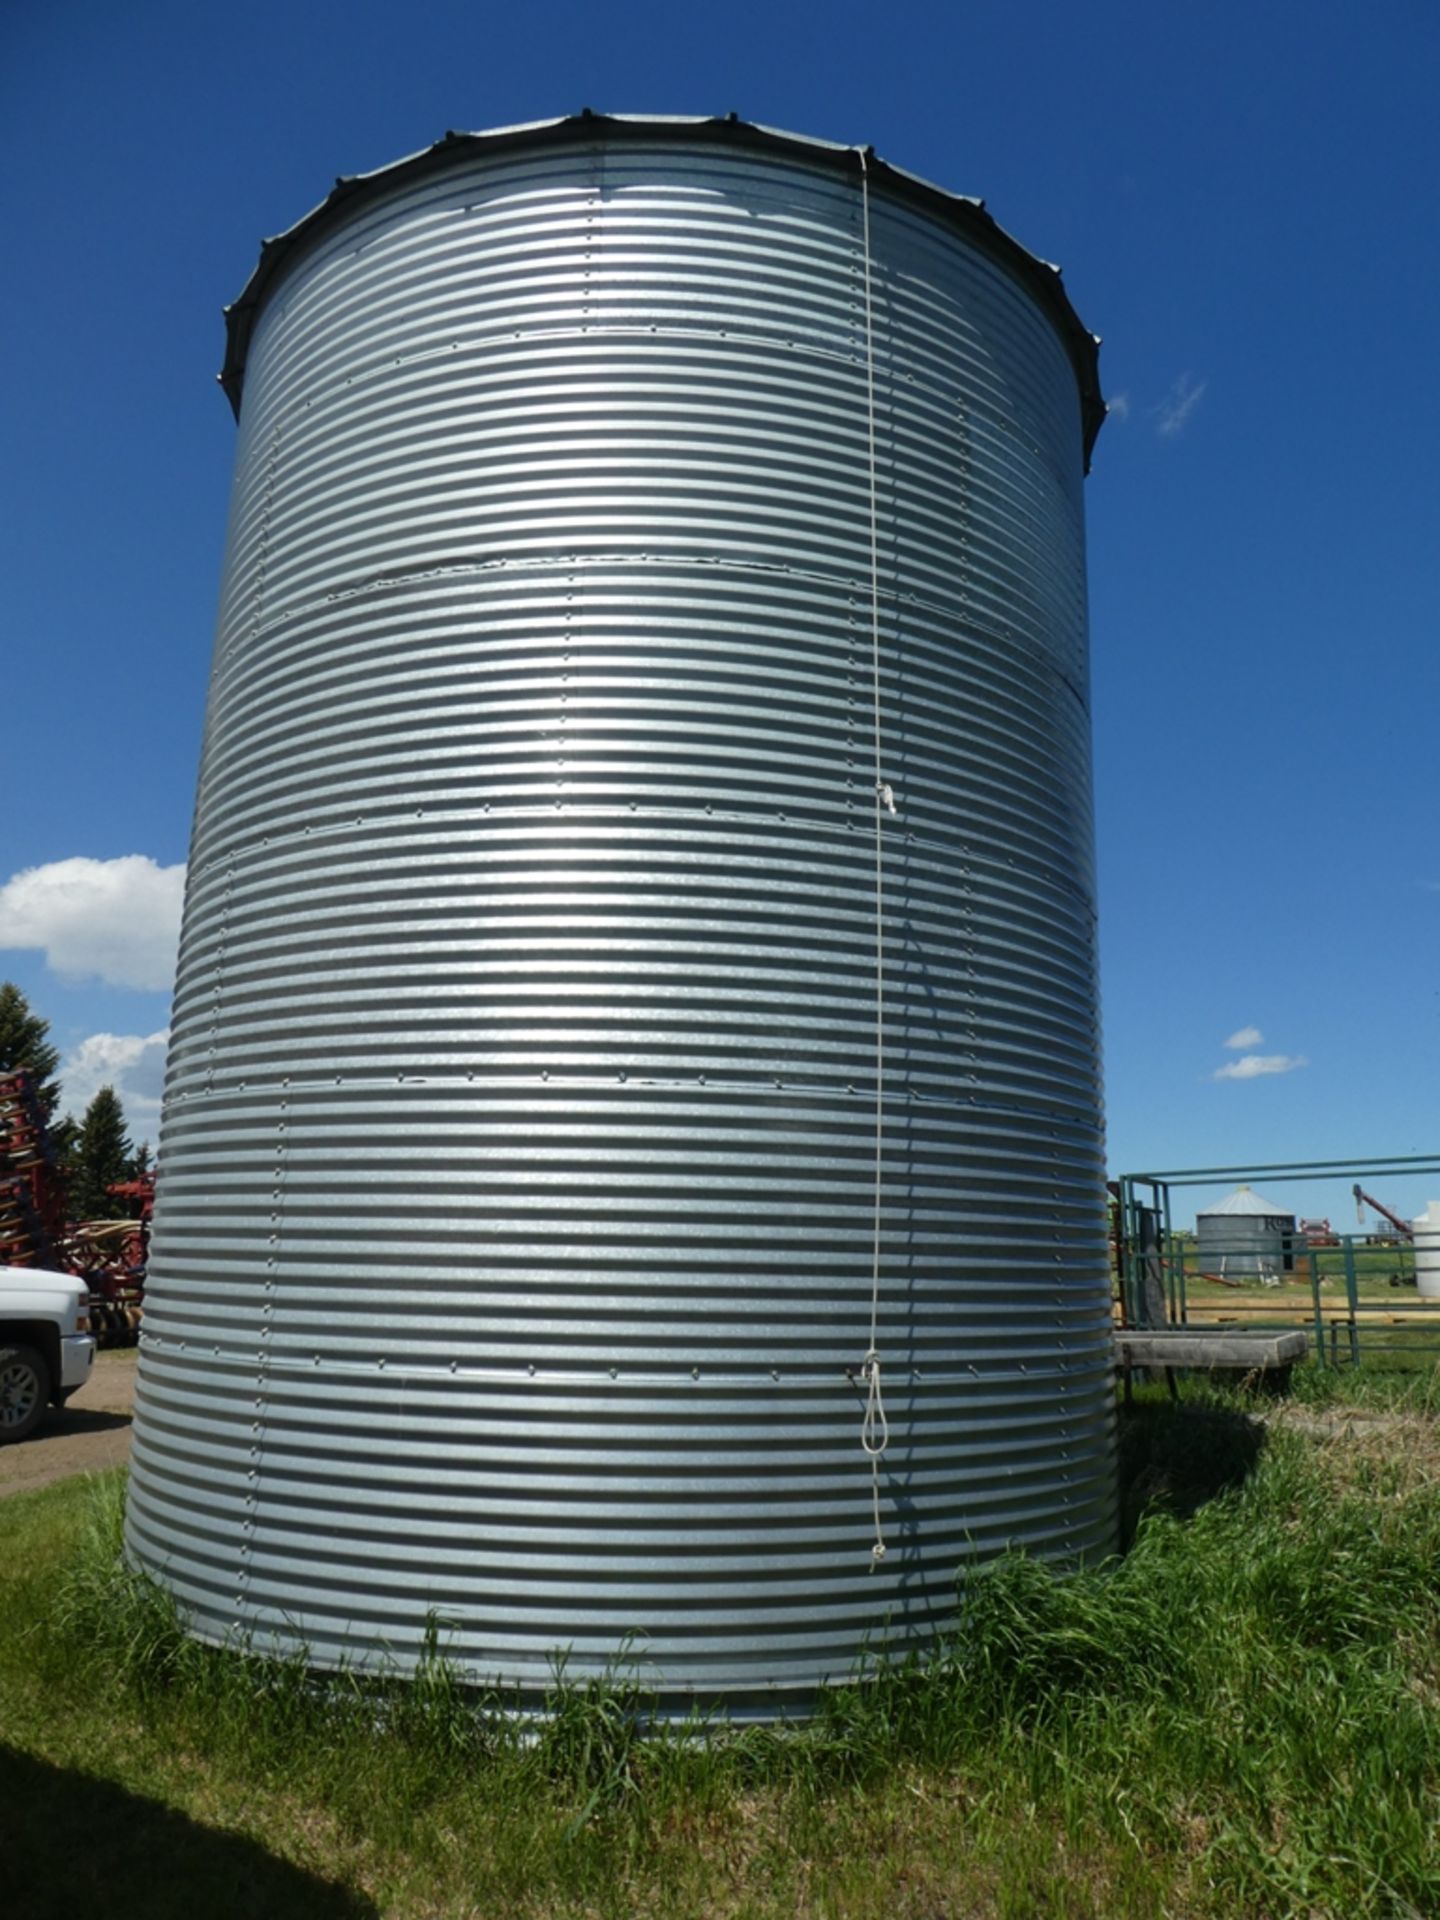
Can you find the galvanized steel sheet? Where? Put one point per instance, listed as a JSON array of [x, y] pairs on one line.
[[512, 1255]]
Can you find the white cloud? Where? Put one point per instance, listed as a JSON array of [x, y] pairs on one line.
[[132, 1063], [1178, 405], [1246, 1037], [112, 920], [1118, 406], [1252, 1065]]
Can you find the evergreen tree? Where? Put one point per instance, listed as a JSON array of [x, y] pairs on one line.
[[102, 1155], [25, 1042], [141, 1161]]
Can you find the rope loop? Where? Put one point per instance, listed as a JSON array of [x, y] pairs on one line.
[[874, 1438], [874, 1428]]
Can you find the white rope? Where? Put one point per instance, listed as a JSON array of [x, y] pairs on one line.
[[874, 1428], [874, 1438]]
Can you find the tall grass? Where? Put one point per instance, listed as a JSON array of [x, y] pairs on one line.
[[1239, 1716]]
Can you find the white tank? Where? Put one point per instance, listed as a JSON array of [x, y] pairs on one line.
[[1427, 1251]]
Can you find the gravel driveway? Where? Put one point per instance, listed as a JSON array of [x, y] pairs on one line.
[[91, 1431]]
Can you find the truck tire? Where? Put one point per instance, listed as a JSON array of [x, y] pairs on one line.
[[24, 1392]]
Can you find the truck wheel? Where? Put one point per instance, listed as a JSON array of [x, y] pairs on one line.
[[24, 1391]]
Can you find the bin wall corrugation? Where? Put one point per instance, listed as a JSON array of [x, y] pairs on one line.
[[512, 1253]]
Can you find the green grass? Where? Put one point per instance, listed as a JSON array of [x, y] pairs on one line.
[[1239, 1718]]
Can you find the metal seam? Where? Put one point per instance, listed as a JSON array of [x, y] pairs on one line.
[[874, 1429]]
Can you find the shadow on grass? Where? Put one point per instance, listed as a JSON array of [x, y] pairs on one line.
[[1176, 1457], [71, 1844]]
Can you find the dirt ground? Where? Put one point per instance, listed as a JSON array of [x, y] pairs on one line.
[[91, 1431]]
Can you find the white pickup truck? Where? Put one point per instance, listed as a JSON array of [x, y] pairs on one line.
[[46, 1346]]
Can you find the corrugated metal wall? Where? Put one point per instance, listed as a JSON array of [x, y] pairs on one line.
[[513, 1251], [1234, 1245]]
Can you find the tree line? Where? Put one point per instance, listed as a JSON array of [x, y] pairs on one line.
[[93, 1153]]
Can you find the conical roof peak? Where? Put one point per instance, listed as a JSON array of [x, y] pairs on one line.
[[1245, 1200]]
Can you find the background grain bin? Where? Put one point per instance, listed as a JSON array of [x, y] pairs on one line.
[[599, 486], [1245, 1236]]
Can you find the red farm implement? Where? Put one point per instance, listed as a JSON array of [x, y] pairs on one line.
[[32, 1190], [109, 1255]]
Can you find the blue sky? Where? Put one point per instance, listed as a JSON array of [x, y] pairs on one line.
[[1244, 201]]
